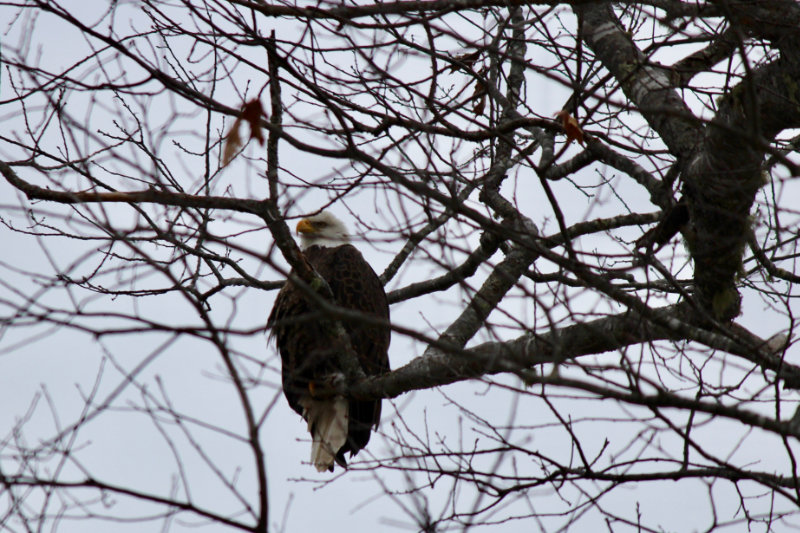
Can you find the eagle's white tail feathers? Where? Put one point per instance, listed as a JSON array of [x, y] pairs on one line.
[[327, 423]]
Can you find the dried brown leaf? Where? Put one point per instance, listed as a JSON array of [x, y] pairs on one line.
[[233, 142], [571, 127], [252, 113], [480, 94]]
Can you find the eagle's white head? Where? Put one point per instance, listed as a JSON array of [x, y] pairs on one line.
[[322, 229]]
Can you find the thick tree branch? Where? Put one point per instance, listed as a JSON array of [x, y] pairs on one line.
[[723, 174], [645, 83], [775, 20], [443, 366], [722, 180], [438, 7], [721, 47]]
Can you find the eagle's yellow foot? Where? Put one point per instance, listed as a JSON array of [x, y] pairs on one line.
[[326, 387]]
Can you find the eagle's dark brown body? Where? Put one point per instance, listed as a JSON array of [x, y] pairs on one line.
[[307, 353]]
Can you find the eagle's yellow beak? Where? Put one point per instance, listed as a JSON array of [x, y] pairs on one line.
[[304, 226]]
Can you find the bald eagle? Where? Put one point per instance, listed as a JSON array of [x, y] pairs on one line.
[[308, 357]]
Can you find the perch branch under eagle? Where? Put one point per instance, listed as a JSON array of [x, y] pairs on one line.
[[310, 366]]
